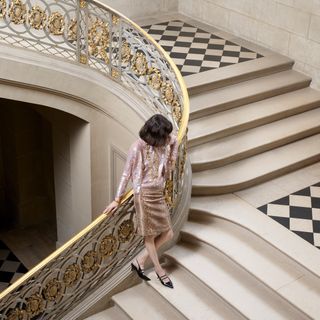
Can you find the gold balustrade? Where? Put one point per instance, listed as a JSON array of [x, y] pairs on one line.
[[93, 34]]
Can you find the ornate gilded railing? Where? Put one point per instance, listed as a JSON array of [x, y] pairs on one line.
[[92, 34]]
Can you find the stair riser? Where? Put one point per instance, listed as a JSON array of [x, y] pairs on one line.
[[188, 237], [171, 258], [237, 79], [216, 190], [248, 99], [252, 124], [248, 153]]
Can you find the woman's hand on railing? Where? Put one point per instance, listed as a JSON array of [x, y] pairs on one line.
[[114, 204]]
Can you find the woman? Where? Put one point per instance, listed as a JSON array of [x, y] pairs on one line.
[[150, 160]]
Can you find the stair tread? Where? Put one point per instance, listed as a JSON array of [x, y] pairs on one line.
[[143, 302], [253, 299], [245, 141], [242, 70], [226, 120], [269, 83], [258, 257], [113, 313], [259, 165], [192, 298]]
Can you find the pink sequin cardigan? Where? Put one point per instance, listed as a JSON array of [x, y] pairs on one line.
[[147, 165]]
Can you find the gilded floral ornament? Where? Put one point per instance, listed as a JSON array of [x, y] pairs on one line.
[[37, 17], [108, 245], [71, 275], [125, 230], [169, 192], [125, 52], [83, 4], [72, 30], [56, 23], [52, 290], [115, 19], [98, 39], [17, 12], [176, 112], [139, 64], [168, 95], [17, 314], [155, 79], [89, 262], [35, 305], [3, 8], [115, 73], [83, 59]]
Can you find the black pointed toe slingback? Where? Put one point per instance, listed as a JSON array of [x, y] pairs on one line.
[[168, 284], [139, 271]]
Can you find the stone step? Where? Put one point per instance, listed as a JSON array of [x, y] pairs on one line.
[[232, 283], [236, 73], [114, 313], [259, 258], [191, 297], [251, 115], [258, 168], [232, 96], [141, 302], [253, 141]]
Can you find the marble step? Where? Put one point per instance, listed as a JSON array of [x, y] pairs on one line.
[[258, 168], [114, 313], [259, 258], [251, 115], [191, 297], [236, 73], [232, 96], [142, 302], [253, 141], [239, 288]]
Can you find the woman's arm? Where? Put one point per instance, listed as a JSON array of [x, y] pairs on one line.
[[127, 171], [173, 153]]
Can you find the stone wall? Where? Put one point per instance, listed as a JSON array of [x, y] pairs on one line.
[[290, 27], [142, 8]]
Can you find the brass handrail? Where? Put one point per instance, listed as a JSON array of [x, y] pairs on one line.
[[183, 123]]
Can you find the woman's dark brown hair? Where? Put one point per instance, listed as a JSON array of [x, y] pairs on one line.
[[156, 130]]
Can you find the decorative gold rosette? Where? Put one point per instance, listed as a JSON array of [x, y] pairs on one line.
[[56, 23], [125, 230], [115, 19], [139, 64], [71, 275], [168, 94], [17, 12], [154, 79], [35, 305], [3, 8], [17, 314], [98, 39], [52, 290], [108, 246], [89, 261], [37, 17]]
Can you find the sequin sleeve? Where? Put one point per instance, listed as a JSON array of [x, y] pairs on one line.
[[173, 153], [128, 169]]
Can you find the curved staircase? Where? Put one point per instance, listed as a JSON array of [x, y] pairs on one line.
[[250, 123]]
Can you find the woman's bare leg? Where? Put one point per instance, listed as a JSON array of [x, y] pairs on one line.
[[158, 242], [151, 248]]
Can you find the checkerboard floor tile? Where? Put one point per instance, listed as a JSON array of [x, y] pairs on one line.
[[195, 50], [299, 212], [10, 267]]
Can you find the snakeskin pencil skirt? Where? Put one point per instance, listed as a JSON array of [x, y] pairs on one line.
[[152, 214]]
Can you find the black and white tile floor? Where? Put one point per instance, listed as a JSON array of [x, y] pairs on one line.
[[195, 50], [10, 267], [299, 212]]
